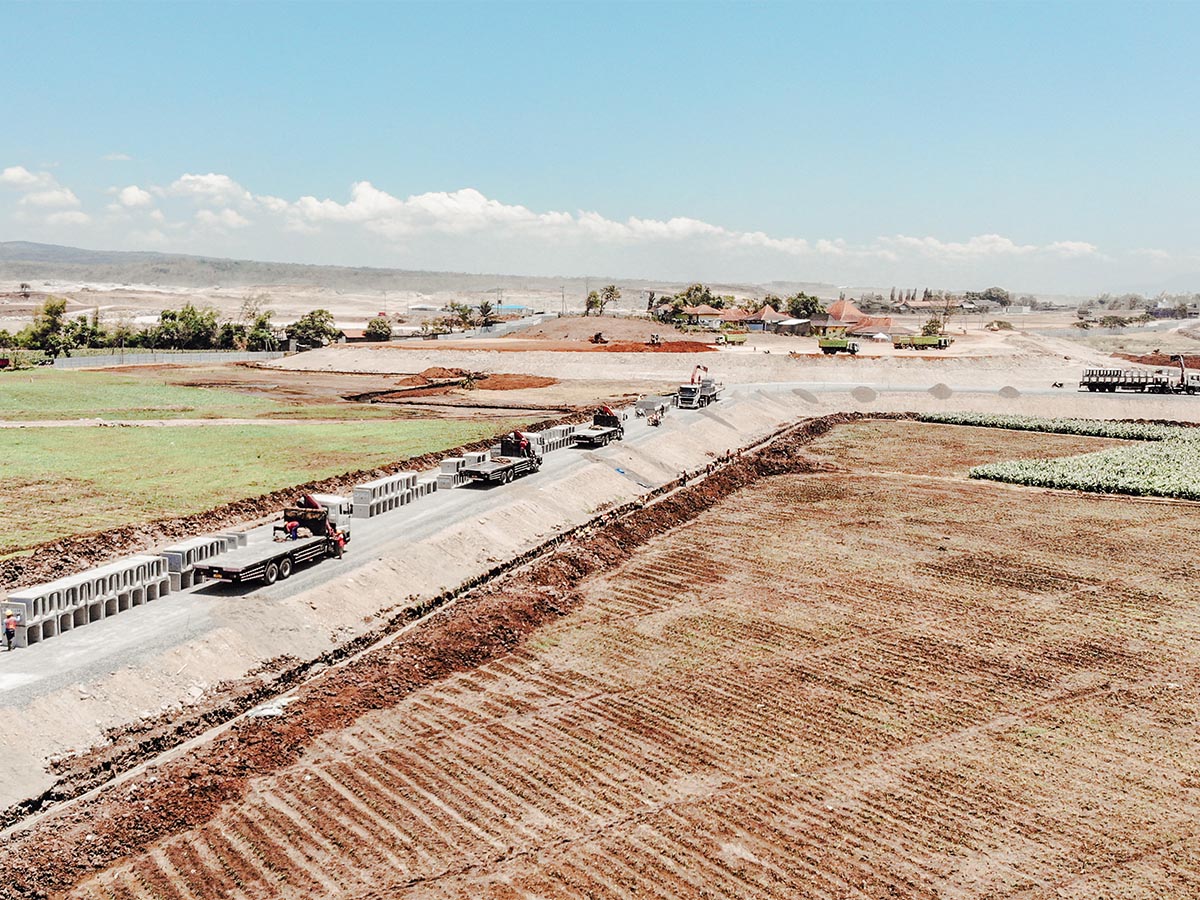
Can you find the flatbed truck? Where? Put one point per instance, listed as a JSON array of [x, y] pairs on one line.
[[517, 457], [606, 426], [277, 560], [699, 392]]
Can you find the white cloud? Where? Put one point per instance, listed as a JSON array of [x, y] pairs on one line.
[[213, 189], [57, 196], [22, 179], [116, 157], [74, 217], [225, 218], [133, 197], [1152, 254]]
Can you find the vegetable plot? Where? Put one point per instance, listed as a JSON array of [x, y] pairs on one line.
[[1167, 466]]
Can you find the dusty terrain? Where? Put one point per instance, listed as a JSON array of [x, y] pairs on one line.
[[876, 678]]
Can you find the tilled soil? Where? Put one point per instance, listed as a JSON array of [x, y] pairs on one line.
[[838, 682], [1161, 359], [482, 626]]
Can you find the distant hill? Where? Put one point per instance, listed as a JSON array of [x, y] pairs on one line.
[[25, 261]]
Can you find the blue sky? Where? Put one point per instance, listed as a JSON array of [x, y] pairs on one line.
[[1045, 146]]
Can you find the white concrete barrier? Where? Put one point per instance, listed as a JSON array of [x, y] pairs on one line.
[[47, 610], [183, 557], [383, 494]]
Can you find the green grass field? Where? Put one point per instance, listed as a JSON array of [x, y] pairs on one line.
[[63, 481], [47, 394]]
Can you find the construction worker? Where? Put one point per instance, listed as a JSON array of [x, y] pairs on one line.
[[10, 627]]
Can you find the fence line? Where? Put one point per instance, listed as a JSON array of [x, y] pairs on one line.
[[141, 359]]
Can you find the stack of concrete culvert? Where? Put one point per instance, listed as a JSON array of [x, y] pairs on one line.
[[47, 610], [557, 438], [184, 556], [384, 494]]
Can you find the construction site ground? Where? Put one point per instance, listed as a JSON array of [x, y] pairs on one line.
[[833, 668]]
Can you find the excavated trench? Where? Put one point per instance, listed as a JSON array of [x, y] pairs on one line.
[[172, 789]]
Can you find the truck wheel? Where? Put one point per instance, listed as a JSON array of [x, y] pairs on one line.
[[285, 569], [272, 574]]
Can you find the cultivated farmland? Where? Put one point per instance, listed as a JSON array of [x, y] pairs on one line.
[[864, 680]]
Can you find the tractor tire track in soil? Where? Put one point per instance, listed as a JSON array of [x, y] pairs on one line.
[[493, 616], [67, 556], [722, 716]]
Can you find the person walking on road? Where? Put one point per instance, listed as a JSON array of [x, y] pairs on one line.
[[10, 627]]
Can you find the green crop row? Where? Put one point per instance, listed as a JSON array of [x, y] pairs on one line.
[[1167, 466], [1161, 469], [1129, 431]]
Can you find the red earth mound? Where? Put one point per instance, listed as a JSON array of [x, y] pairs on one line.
[[1160, 359]]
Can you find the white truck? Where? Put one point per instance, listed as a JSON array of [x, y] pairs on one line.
[[700, 391]]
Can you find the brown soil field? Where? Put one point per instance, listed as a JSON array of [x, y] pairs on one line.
[[836, 668], [1160, 359], [519, 344], [581, 328]]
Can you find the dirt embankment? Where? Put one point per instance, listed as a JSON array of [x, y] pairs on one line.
[[1160, 359], [485, 623], [56, 559]]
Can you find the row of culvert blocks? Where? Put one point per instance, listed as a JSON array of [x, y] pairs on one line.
[[48, 610], [390, 492]]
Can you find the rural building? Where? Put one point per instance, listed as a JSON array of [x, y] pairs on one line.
[[703, 315], [764, 319]]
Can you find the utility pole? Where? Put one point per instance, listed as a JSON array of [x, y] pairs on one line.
[[562, 288]]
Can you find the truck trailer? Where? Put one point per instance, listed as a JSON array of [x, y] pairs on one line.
[[517, 457], [305, 536], [606, 426]]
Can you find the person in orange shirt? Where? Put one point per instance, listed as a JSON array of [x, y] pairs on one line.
[[10, 627]]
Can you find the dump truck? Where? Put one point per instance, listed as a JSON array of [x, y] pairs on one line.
[[606, 426], [517, 457], [832, 345], [305, 535], [699, 392], [921, 341]]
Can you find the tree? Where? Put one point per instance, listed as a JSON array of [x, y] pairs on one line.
[[464, 313], [650, 301], [804, 306], [592, 302], [25, 289], [773, 301], [259, 334], [378, 329], [1113, 321], [933, 326], [48, 332], [610, 293], [188, 328], [487, 314], [313, 329]]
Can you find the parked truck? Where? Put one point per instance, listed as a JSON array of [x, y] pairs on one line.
[[921, 341], [832, 345], [699, 392], [1144, 381], [606, 426], [305, 535], [518, 456]]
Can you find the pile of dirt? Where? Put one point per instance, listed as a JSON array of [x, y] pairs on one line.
[[56, 559], [502, 382], [440, 373], [664, 347], [505, 608], [1160, 359]]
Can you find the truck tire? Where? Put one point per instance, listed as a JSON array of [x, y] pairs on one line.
[[285, 569], [271, 575]]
